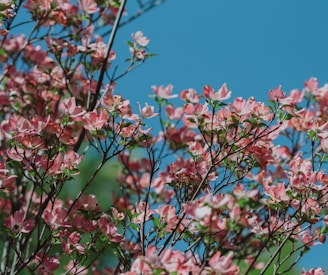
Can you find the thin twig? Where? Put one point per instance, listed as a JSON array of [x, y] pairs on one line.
[[103, 68], [276, 252]]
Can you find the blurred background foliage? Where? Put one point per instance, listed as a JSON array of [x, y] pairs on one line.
[[104, 184]]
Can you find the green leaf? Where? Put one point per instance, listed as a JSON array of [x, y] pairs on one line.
[[235, 120], [3, 52], [134, 226], [160, 271], [324, 230], [17, 106], [311, 134], [3, 7], [305, 250], [242, 202], [156, 222], [324, 158], [288, 116], [149, 55], [131, 44], [53, 5]]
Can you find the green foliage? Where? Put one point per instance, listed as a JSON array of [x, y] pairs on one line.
[[102, 186]]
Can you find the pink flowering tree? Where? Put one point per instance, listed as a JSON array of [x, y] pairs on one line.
[[220, 185]]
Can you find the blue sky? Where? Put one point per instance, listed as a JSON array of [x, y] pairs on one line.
[[253, 46]]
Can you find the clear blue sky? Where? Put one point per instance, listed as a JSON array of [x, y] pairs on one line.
[[251, 45]]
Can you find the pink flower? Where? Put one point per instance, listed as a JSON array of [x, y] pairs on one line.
[[88, 202], [52, 166], [140, 39], [323, 141], [8, 128], [118, 216], [30, 141], [277, 192], [94, 121], [74, 268], [138, 54], [141, 209], [297, 96], [164, 92], [15, 44], [196, 149], [106, 226], [147, 111], [18, 223], [202, 212], [71, 160], [3, 32], [56, 216], [257, 265], [167, 215], [311, 84], [46, 264], [72, 109], [262, 111], [313, 271], [243, 107], [68, 135], [88, 6], [71, 243], [276, 94], [190, 95], [99, 52], [3, 170], [41, 6], [139, 266], [83, 223], [173, 113], [8, 183], [223, 264], [222, 94], [16, 154]]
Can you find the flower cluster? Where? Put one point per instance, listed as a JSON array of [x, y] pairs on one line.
[[230, 182], [217, 186]]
